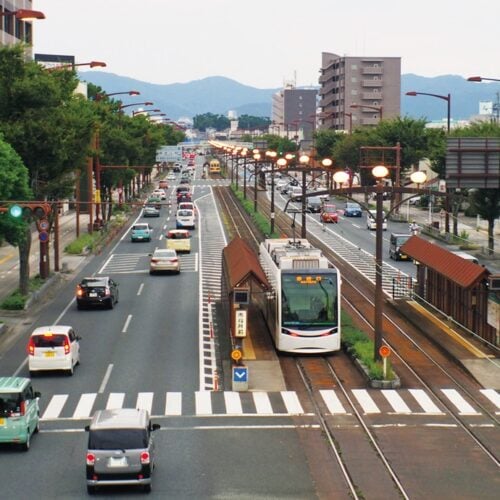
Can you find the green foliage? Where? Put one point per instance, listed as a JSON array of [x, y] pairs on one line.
[[210, 120], [16, 300], [262, 223], [248, 122], [281, 145], [77, 246], [325, 141], [362, 348]]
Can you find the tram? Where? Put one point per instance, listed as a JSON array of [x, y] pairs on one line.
[[303, 310], [214, 167]]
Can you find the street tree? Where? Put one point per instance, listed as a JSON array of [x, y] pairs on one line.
[[14, 185]]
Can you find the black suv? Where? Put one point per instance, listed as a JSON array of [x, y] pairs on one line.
[[97, 291]]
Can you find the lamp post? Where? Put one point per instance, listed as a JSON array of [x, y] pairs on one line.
[[446, 98], [24, 14], [379, 109], [481, 78], [256, 157], [146, 103], [99, 97], [272, 155], [141, 111], [244, 153], [92, 64]]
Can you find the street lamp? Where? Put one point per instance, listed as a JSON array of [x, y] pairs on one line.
[[141, 111], [256, 157], [481, 78], [380, 172], [446, 98], [24, 14], [272, 155], [146, 103], [99, 96], [92, 64], [374, 108]]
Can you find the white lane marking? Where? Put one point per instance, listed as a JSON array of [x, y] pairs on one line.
[[125, 327], [262, 403], [173, 405], [332, 402], [493, 396], [105, 264], [55, 406], [165, 227], [84, 406], [425, 401], [105, 379], [233, 403], [396, 401], [144, 401], [140, 289], [365, 401], [292, 402], [461, 404], [115, 400], [20, 367], [203, 403], [161, 237]]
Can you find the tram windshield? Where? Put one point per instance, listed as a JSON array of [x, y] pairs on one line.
[[309, 300]]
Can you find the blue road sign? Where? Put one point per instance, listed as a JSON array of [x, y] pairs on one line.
[[240, 374]]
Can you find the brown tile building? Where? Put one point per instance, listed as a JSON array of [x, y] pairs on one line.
[[371, 84]]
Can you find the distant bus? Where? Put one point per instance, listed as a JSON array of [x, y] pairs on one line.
[[214, 167]]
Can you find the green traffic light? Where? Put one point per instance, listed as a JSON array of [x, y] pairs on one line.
[[15, 211]]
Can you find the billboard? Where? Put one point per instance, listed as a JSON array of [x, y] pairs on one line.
[[473, 162]]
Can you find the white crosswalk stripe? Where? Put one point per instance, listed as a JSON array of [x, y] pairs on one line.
[[208, 403], [460, 403], [493, 396], [365, 400]]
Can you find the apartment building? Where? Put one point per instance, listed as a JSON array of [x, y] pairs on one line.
[[13, 30], [356, 91], [294, 111]]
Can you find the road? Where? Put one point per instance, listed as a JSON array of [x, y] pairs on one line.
[[155, 350]]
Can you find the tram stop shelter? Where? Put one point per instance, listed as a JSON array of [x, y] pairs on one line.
[[243, 283], [453, 285]]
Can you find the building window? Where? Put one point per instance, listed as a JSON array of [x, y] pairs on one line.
[[354, 92], [354, 67]]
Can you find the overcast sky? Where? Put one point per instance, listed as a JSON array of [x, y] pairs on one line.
[[264, 43]]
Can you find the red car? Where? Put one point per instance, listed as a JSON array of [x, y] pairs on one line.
[[329, 214]]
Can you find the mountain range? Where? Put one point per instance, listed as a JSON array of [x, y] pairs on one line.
[[218, 95]]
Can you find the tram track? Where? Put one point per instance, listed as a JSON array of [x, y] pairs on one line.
[[427, 362]]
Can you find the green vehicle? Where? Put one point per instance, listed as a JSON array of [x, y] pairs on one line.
[[19, 411]]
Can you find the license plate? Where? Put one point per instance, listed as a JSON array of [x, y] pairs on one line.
[[2, 421], [92, 294], [117, 462], [49, 354]]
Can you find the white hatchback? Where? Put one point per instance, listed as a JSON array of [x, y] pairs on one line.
[[53, 347]]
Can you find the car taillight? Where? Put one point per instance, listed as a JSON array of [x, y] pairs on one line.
[[90, 459], [107, 291], [79, 291], [31, 347], [154, 261], [145, 458], [22, 408], [175, 259], [66, 345]]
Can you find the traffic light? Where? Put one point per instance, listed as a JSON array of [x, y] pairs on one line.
[[35, 209]]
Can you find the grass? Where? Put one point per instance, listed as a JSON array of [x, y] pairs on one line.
[[262, 223], [362, 348], [16, 300]]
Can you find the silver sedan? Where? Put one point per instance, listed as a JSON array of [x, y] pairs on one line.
[[164, 260]]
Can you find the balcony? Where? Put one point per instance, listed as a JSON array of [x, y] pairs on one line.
[[373, 96], [372, 83], [370, 121], [372, 70]]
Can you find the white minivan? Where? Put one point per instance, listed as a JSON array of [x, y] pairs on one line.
[[53, 347], [295, 193], [185, 218]]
